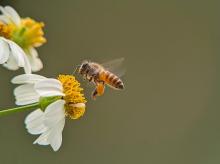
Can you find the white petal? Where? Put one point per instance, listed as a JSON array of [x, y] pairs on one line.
[[54, 113], [26, 94], [13, 15], [49, 87], [34, 122], [54, 121], [27, 65], [34, 60], [10, 14], [42, 139], [4, 12], [33, 115], [27, 78], [4, 19], [4, 51], [17, 53], [55, 137], [11, 64]]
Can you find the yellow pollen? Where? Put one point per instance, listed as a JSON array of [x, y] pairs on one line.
[[75, 100], [5, 30]]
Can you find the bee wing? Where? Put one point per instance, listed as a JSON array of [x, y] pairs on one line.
[[115, 66]]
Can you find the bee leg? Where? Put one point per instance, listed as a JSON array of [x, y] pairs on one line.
[[86, 77], [90, 79], [94, 94], [99, 90]]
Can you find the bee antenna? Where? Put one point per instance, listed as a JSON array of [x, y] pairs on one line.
[[76, 69]]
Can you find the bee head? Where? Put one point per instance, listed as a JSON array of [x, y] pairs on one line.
[[83, 67]]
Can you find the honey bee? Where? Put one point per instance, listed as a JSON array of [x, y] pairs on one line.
[[101, 74]]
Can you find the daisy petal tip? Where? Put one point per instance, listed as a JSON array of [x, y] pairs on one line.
[[56, 144], [55, 148]]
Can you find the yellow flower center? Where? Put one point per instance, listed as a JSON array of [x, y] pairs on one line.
[[28, 34], [75, 100]]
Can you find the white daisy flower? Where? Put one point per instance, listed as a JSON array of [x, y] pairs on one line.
[[57, 99], [26, 32]]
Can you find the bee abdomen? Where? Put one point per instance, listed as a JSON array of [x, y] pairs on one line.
[[113, 80]]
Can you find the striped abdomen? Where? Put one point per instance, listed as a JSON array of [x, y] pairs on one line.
[[112, 80]]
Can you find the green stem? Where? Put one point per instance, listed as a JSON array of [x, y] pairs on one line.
[[19, 109]]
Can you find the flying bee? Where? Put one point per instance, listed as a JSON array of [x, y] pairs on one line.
[[101, 74]]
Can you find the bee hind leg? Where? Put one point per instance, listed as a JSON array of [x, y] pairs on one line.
[[94, 94], [99, 90]]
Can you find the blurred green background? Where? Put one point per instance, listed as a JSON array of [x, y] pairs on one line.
[[169, 112]]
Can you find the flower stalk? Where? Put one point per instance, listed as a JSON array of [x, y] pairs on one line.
[[19, 109]]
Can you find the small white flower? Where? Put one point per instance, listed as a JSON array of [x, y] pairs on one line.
[[49, 123], [12, 56], [30, 36]]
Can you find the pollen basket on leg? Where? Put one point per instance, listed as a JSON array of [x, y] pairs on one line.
[[75, 100]]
